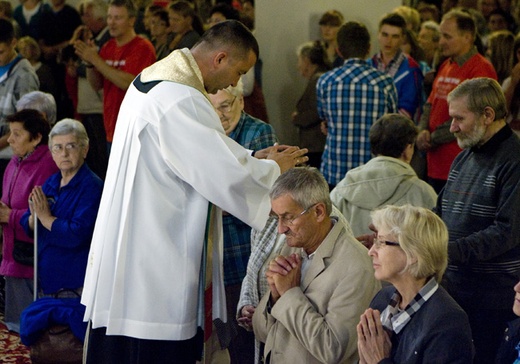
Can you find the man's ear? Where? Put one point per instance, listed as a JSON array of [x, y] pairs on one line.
[[321, 211], [219, 58], [489, 115]]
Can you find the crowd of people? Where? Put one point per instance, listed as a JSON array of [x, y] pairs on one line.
[[387, 235]]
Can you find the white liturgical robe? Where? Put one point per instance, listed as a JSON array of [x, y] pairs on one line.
[[170, 159]]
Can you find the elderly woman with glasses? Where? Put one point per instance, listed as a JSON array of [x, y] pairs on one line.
[[413, 320], [66, 207]]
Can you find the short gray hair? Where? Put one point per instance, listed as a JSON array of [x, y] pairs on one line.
[[434, 27], [70, 126], [237, 90], [306, 185], [99, 8], [40, 101], [481, 92]]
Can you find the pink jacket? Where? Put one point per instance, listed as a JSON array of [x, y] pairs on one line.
[[19, 179]]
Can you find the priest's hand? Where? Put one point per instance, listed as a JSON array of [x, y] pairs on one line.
[[287, 158]]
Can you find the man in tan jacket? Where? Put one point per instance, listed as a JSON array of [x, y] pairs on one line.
[[319, 284]]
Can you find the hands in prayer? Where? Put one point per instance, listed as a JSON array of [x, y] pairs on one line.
[[373, 341], [283, 274], [38, 203]]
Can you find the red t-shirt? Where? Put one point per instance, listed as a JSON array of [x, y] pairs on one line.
[[448, 77], [132, 57]]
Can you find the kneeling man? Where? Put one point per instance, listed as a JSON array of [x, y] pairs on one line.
[[319, 284]]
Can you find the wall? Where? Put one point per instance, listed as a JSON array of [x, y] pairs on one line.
[[281, 26]]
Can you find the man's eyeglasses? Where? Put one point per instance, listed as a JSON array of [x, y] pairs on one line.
[[226, 106], [378, 243], [70, 147], [290, 221]]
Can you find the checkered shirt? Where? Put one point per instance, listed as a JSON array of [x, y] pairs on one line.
[[394, 320], [351, 98]]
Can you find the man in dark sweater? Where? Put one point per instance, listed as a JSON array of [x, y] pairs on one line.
[[480, 205]]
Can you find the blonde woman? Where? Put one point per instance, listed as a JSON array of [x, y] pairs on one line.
[[413, 320]]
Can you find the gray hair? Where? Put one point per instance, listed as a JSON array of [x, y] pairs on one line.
[[40, 101], [69, 126], [481, 93], [306, 185], [99, 8], [237, 90], [434, 27]]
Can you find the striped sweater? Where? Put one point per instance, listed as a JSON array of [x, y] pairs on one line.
[[480, 205]]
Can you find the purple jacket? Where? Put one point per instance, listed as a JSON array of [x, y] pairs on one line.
[[19, 179]]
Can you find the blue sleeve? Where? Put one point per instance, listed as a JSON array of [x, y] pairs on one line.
[[72, 231], [24, 221], [409, 90], [320, 97]]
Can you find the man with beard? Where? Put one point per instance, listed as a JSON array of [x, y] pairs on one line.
[[480, 206]]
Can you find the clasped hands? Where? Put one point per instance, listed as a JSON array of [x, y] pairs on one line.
[[374, 343], [283, 274], [39, 204]]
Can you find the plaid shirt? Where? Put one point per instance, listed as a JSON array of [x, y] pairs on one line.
[[392, 67], [394, 320], [351, 98], [252, 134]]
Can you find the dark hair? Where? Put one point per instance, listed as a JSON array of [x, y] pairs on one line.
[[390, 135], [185, 9], [153, 8], [394, 20], [247, 21], [332, 17], [229, 12], [7, 8], [6, 31], [163, 15], [128, 4], [34, 122], [353, 40], [511, 24], [230, 33]]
